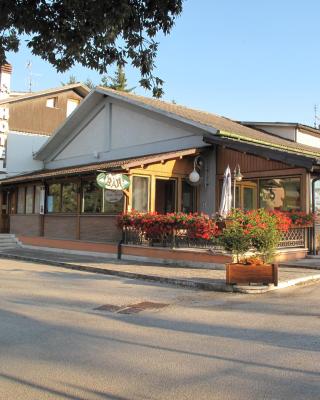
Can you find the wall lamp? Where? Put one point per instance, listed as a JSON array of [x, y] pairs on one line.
[[194, 176]]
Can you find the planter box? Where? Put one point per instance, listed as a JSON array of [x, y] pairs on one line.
[[242, 273]]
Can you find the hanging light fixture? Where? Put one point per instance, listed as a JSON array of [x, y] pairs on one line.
[[237, 175], [194, 176]]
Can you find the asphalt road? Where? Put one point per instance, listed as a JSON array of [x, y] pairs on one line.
[[54, 344]]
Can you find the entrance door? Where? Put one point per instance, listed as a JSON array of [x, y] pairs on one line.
[[165, 196], [5, 219]]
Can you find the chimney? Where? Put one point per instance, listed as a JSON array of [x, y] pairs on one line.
[[5, 80]]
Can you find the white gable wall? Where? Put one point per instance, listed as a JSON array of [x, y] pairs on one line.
[[118, 130], [20, 148]]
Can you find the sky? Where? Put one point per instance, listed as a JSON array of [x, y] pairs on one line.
[[247, 60]]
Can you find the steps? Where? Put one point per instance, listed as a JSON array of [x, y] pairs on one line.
[[8, 241]]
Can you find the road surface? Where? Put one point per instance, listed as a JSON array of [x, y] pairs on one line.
[[73, 335]]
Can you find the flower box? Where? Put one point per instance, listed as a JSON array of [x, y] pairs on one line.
[[251, 273]]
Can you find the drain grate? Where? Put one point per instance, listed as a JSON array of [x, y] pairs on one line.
[[109, 307], [132, 308]]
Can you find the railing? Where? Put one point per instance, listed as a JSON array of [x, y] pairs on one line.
[[178, 239], [297, 237]]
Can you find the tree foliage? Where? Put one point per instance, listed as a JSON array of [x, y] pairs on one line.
[[118, 82], [94, 33], [72, 80]]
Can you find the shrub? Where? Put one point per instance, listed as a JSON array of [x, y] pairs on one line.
[[258, 230]]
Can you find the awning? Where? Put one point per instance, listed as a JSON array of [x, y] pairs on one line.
[[123, 164]]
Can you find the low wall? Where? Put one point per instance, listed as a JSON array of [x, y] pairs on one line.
[[29, 225], [90, 228], [182, 257]]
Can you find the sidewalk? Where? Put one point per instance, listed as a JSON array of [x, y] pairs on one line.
[[198, 278]]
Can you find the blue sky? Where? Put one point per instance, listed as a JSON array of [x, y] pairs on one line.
[[247, 60]]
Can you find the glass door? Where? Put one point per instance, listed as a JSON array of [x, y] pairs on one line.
[[165, 196]]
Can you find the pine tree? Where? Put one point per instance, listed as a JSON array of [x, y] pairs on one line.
[[118, 82]]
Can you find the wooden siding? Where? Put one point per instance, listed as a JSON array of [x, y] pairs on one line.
[[28, 225], [247, 162], [32, 115], [60, 226], [99, 228]]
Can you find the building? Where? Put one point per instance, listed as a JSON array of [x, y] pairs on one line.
[[148, 148], [28, 119]]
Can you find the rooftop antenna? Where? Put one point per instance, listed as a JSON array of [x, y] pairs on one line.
[[30, 80], [316, 118], [29, 68]]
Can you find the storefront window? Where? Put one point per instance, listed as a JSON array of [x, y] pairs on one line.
[[21, 200], [54, 198], [69, 197], [29, 199], [37, 199], [282, 194], [140, 193], [97, 200], [113, 201], [188, 198], [92, 198]]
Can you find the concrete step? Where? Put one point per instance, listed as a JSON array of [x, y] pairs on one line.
[[7, 235], [8, 240]]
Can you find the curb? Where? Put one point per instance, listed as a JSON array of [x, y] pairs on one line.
[[207, 286], [192, 284]]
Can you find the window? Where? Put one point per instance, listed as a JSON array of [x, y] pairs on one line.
[[113, 201], [69, 197], [21, 200], [188, 203], [37, 200], [140, 193], [52, 102], [91, 198], [29, 199], [97, 200], [71, 105], [54, 198], [280, 194]]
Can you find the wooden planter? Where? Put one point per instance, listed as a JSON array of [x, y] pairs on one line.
[[251, 273]]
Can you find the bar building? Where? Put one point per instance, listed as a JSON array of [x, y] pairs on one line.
[[155, 145]]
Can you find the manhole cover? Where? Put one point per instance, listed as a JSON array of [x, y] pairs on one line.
[[144, 305], [131, 308]]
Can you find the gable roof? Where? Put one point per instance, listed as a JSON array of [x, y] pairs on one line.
[[225, 127], [207, 123], [296, 125], [79, 88]]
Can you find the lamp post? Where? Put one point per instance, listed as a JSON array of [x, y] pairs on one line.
[[237, 177]]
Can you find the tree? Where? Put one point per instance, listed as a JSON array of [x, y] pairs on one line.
[[119, 82], [89, 83], [94, 33], [72, 80]]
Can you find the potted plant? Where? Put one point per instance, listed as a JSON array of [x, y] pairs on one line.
[[259, 232]]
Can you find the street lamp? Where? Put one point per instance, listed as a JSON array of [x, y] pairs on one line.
[[237, 177]]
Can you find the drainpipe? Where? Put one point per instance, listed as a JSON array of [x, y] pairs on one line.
[[313, 211]]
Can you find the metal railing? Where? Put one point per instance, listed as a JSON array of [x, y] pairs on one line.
[[298, 237]]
